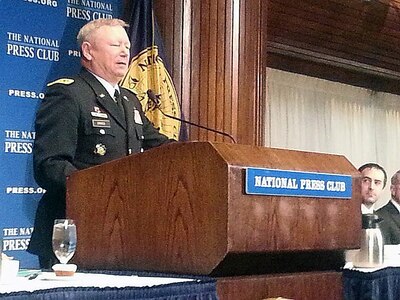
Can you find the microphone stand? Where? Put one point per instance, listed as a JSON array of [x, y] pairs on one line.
[[152, 97]]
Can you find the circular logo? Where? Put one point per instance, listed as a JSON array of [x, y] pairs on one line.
[[147, 72]]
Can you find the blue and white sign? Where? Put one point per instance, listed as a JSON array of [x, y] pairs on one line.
[[297, 184]]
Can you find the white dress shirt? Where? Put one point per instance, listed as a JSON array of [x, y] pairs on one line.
[[367, 210]]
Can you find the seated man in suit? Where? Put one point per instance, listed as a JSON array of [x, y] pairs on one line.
[[373, 181], [390, 213]]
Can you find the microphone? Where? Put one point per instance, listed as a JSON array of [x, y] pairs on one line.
[[156, 101]]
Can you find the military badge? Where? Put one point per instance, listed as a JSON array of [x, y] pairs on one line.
[[99, 115], [100, 149], [137, 117]]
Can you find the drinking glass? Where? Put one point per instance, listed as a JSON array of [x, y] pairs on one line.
[[64, 239]]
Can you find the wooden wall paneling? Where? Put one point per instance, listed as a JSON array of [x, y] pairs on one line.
[[194, 86], [331, 32], [171, 31], [166, 26], [176, 8], [204, 64], [212, 61], [186, 50], [364, 33], [179, 21], [219, 64], [208, 42], [222, 110], [232, 77], [251, 69]]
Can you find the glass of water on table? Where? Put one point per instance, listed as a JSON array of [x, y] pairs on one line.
[[64, 245]]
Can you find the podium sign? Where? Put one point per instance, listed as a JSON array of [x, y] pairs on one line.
[[297, 184]]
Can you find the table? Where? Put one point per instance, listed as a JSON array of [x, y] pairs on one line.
[[110, 285]]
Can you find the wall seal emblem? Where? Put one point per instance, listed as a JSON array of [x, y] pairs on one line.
[[147, 71]]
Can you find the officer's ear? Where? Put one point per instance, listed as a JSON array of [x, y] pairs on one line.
[[86, 51]]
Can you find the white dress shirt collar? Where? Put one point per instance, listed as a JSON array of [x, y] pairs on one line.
[[366, 210], [108, 86]]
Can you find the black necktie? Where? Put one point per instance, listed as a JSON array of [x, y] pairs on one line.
[[118, 100]]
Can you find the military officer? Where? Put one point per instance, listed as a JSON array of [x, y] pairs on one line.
[[86, 120]]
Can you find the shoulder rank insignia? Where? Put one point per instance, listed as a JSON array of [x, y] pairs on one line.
[[66, 81]]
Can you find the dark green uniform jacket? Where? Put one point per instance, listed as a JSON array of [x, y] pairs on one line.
[[79, 125]]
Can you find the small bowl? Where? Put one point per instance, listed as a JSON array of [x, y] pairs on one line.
[[64, 269]]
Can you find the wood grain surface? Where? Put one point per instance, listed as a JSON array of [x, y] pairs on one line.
[[181, 208]]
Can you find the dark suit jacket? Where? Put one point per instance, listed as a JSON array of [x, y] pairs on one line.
[[79, 125], [390, 226]]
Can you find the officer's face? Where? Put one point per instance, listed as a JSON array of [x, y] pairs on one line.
[[107, 53]]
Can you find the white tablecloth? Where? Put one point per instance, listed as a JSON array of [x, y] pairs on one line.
[[48, 280], [391, 259]]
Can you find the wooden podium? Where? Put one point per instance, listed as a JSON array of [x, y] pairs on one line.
[[181, 208]]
